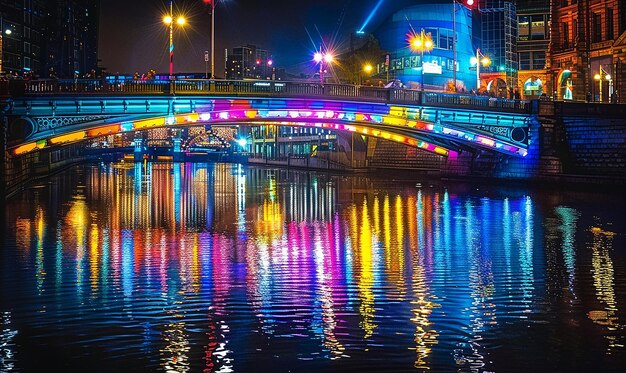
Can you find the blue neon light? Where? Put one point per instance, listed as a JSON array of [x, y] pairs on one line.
[[370, 16]]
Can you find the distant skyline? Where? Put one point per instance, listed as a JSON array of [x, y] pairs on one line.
[[134, 39]]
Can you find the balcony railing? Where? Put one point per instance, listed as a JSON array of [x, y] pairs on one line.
[[96, 87]]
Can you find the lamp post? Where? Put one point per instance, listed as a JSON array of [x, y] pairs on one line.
[[469, 3], [421, 42], [323, 58], [212, 4], [454, 43], [602, 75], [480, 59], [367, 68], [169, 21]]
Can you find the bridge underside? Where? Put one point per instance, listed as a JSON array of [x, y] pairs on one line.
[[441, 131]]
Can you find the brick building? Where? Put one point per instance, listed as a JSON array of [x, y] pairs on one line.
[[587, 49]]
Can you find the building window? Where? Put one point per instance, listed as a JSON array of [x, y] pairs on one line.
[[524, 61], [596, 22], [532, 60], [565, 35], [537, 27], [523, 27], [445, 39], [539, 60], [609, 24]]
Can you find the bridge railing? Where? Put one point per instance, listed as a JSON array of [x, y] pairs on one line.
[[269, 88], [464, 100]]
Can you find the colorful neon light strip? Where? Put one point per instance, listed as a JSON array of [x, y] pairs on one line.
[[402, 117], [27, 148], [369, 132]]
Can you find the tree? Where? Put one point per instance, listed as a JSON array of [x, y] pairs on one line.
[[351, 64]]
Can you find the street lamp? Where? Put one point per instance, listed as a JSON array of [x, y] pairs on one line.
[[212, 3], [322, 59], [479, 59], [367, 68], [599, 77], [421, 42], [169, 21], [469, 4]]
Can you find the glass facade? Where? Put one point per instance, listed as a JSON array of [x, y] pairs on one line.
[[499, 36], [435, 19]]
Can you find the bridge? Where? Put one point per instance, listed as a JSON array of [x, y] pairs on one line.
[[52, 113]]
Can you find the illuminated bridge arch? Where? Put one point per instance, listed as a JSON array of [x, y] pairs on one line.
[[438, 130]]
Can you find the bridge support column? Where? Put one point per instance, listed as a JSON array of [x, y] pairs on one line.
[[178, 155], [3, 156], [139, 149]]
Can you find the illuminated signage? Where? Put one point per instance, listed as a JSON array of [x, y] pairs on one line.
[[432, 68]]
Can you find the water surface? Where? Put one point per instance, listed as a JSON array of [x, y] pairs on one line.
[[219, 268]]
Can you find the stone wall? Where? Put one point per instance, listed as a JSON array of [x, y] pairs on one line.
[[23, 170], [594, 139]]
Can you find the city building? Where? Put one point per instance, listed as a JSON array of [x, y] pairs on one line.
[[432, 69], [249, 62], [49, 37], [533, 39], [498, 37], [23, 36], [73, 32], [587, 49]]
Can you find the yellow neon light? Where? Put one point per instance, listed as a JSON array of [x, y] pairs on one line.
[[101, 131], [441, 151], [74, 136], [397, 111], [394, 121], [26, 148], [155, 122], [190, 118]]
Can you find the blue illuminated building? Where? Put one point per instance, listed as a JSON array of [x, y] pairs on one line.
[[436, 20]]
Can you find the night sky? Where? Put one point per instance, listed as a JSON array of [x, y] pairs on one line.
[[133, 37]]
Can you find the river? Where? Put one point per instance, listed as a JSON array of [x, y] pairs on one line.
[[222, 267]]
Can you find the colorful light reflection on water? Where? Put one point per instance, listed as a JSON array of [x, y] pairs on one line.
[[218, 268]]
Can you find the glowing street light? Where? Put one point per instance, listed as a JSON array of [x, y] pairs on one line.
[[169, 21], [479, 59], [367, 69], [420, 43], [323, 59]]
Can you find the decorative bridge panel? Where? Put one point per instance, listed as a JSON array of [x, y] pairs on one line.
[[48, 123]]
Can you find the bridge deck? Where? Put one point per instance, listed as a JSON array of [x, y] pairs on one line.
[[258, 88]]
